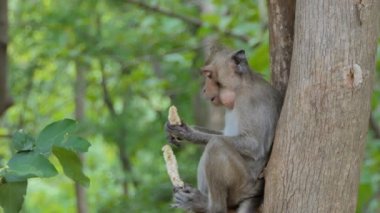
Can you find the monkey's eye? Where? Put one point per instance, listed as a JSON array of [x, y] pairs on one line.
[[219, 84], [206, 73]]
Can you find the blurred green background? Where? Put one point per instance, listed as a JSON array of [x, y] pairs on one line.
[[131, 61]]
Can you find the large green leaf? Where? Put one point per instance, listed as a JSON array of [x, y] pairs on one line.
[[12, 196], [22, 141], [12, 176], [71, 165], [76, 144], [31, 164], [54, 134]]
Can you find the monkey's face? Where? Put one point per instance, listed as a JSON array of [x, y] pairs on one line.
[[211, 87], [217, 87]]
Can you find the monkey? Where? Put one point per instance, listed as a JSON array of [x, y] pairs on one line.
[[229, 175]]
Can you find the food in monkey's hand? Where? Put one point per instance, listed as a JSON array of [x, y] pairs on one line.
[[174, 119], [172, 167], [173, 116]]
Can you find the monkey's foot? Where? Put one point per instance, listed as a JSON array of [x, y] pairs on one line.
[[190, 199]]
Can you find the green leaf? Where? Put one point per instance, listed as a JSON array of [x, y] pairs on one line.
[[71, 165], [212, 19], [76, 144], [12, 196], [54, 134], [365, 192], [31, 164], [11, 176], [22, 141]]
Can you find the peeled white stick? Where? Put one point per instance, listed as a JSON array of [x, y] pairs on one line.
[[174, 119], [173, 116], [171, 166]]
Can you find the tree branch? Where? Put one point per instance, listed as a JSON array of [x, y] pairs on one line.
[[5, 99], [106, 96], [189, 20], [6, 136], [157, 9], [281, 33]]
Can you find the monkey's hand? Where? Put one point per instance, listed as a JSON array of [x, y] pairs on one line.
[[180, 132], [190, 199]]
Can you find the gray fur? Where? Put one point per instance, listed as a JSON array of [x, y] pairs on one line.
[[230, 167]]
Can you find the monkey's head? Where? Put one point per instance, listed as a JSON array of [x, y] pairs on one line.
[[224, 73]]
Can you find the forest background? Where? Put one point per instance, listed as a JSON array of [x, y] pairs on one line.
[[116, 66]]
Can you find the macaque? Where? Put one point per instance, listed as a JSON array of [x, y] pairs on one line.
[[230, 169]]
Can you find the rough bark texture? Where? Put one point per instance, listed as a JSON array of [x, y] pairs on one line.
[[80, 91], [319, 143], [5, 100], [281, 30]]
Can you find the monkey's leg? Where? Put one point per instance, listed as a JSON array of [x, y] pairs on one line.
[[250, 205], [227, 176]]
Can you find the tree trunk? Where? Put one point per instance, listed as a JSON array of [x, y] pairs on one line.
[[320, 138], [5, 100], [281, 30], [80, 91]]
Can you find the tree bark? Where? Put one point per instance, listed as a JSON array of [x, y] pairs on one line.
[[5, 100], [320, 138], [80, 92], [281, 31]]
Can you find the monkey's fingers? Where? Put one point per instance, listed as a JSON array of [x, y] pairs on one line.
[[183, 196], [185, 188], [178, 131], [174, 205], [173, 140]]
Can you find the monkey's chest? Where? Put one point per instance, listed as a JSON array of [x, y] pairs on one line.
[[231, 124]]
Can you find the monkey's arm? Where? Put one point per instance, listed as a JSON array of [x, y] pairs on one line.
[[205, 130], [246, 144], [188, 133]]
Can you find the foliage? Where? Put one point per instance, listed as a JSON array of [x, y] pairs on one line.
[[369, 189], [137, 62], [31, 159]]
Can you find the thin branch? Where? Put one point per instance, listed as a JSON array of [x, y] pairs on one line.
[[6, 136], [374, 126], [157, 9], [189, 20], [281, 36], [106, 96], [5, 98]]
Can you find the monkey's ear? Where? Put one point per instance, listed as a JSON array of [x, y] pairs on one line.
[[241, 62]]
